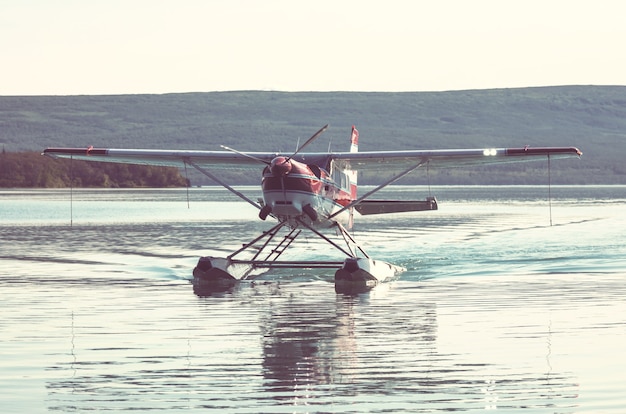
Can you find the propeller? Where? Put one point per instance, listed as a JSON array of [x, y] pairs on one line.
[[308, 141], [245, 155], [287, 159]]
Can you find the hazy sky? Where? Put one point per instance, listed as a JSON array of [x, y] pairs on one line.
[[66, 47]]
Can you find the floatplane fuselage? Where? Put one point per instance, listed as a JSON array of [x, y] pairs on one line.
[[294, 191]]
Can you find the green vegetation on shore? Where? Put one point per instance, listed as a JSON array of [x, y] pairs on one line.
[[31, 169], [592, 118]]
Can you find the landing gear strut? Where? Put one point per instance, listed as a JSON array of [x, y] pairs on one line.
[[353, 271]]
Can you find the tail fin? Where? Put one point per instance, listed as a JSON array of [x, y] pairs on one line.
[[354, 140], [352, 174]]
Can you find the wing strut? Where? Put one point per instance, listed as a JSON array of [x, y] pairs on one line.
[[220, 182], [380, 187], [550, 189]]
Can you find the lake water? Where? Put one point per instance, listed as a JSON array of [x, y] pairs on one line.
[[498, 310]]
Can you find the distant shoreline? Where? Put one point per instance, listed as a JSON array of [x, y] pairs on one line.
[[592, 118]]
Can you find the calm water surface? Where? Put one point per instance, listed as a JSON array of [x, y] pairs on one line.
[[498, 310]]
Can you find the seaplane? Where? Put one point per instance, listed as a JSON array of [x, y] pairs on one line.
[[314, 192]]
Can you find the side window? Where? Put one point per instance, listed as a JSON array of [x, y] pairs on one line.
[[341, 178], [337, 176]]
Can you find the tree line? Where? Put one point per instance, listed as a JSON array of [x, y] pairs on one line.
[[32, 170]]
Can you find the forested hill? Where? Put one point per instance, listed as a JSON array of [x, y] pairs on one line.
[[592, 118], [28, 169]]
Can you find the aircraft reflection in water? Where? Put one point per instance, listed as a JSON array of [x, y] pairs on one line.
[[313, 192], [317, 346], [312, 347]]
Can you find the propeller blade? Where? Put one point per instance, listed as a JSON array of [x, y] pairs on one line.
[[308, 141], [245, 155]]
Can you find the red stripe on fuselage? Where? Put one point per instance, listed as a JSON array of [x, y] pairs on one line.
[[302, 179], [307, 184]]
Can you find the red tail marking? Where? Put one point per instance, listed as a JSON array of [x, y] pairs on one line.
[[354, 139]]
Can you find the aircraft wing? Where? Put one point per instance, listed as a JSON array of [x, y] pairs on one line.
[[166, 158], [372, 160], [451, 157]]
